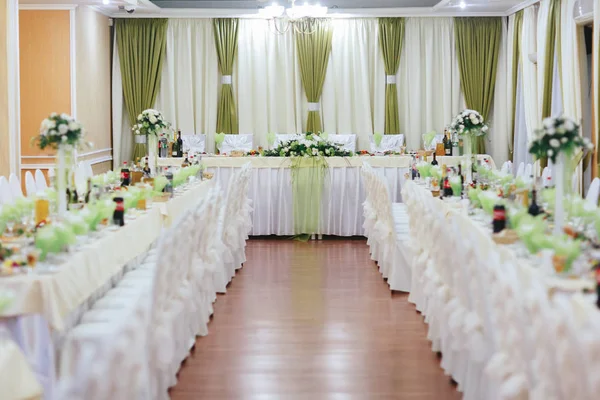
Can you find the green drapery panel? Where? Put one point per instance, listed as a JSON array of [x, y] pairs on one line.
[[552, 39], [141, 45], [391, 38], [313, 56], [308, 179], [515, 75], [226, 42], [477, 47]]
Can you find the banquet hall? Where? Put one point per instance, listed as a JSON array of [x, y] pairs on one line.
[[290, 199]]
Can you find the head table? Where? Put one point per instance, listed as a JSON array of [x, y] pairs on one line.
[[342, 197]]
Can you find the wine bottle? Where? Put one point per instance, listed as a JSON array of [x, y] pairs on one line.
[[125, 177], [119, 213], [179, 145], [447, 144], [462, 177], [174, 149], [434, 162], [499, 223], [89, 190], [447, 188], [534, 208], [455, 150]]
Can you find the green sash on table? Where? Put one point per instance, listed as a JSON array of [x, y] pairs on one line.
[[308, 178]]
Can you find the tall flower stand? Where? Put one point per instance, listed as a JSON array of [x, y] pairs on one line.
[[152, 152], [467, 152], [64, 153], [140, 148], [559, 207]]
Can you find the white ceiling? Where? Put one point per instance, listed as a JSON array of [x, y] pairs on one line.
[[341, 8]]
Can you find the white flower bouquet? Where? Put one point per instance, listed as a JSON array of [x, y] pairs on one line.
[[469, 122], [59, 129], [558, 135], [150, 122]]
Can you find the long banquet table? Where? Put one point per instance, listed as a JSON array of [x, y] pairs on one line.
[[48, 302], [342, 198]]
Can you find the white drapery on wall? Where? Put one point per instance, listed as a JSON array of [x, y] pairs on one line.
[[121, 128], [501, 115], [529, 72], [189, 84], [429, 91], [269, 91]]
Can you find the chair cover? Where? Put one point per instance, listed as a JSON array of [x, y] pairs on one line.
[[388, 143], [89, 172], [40, 179], [6, 196], [15, 186], [241, 142], [593, 192], [347, 142], [30, 185], [194, 143]]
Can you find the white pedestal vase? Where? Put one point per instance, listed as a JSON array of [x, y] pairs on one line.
[[152, 153], [63, 154], [467, 151], [559, 207]]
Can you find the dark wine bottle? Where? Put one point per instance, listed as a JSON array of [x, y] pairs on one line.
[[534, 208], [499, 223], [434, 162], [125, 176], [89, 190], [179, 145], [119, 213], [447, 145], [462, 177]]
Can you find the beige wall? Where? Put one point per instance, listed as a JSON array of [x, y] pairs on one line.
[[4, 134], [93, 66]]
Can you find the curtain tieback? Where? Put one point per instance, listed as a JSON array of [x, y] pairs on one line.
[[226, 79], [313, 107], [390, 79], [140, 139]]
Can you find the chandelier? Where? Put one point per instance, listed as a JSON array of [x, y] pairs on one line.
[[301, 17]]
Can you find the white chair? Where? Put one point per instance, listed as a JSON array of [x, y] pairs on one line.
[[388, 143], [347, 142], [15, 186], [30, 185], [40, 180], [528, 171], [89, 172], [6, 196], [593, 192], [241, 142], [195, 143], [521, 170]]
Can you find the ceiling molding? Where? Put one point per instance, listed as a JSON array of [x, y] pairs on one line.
[[521, 6], [48, 6]]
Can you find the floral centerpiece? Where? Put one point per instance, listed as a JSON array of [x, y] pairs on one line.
[[64, 134], [559, 140], [150, 126], [311, 145], [469, 124]]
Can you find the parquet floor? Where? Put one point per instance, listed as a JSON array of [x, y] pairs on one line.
[[312, 321]]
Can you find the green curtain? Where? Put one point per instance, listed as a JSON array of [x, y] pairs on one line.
[[391, 38], [552, 38], [477, 46], [141, 44], [313, 56], [515, 74], [226, 42]]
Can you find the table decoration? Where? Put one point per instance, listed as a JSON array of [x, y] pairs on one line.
[[467, 125], [559, 140], [219, 138], [151, 125], [64, 134]]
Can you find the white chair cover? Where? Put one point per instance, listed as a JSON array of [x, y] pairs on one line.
[[40, 179], [528, 171], [593, 192], [89, 172], [521, 170], [194, 143], [15, 186], [6, 196], [30, 185], [347, 142], [241, 142], [388, 143]]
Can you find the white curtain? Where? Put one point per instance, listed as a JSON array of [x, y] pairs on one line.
[[121, 128], [529, 71], [269, 91], [354, 89], [521, 145], [429, 92], [497, 143], [572, 48], [190, 78]]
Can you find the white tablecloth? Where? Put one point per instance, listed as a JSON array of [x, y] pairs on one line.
[[343, 195]]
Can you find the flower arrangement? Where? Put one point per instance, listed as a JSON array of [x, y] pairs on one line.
[[150, 122], [469, 122], [558, 135], [59, 129], [312, 145]]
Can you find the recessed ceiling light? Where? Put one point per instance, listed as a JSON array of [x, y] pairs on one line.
[[462, 4], [105, 2]]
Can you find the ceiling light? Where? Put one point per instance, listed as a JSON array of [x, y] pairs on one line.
[[462, 4], [283, 18], [106, 2]]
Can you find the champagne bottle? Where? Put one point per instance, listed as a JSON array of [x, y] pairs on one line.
[[179, 145], [455, 150], [434, 162], [447, 144], [174, 150]]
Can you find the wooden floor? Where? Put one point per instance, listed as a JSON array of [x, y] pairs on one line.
[[312, 321]]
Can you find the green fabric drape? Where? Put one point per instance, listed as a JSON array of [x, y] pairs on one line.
[[477, 47], [552, 38], [391, 38], [226, 42], [313, 56], [515, 74], [308, 179], [141, 45]]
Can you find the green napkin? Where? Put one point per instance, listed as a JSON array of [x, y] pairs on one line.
[[219, 138], [424, 169], [271, 139], [377, 138], [488, 200], [428, 138], [456, 185], [436, 172]]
